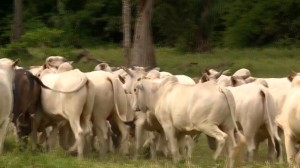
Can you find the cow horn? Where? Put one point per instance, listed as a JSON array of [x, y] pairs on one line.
[[204, 78], [127, 71], [291, 76], [15, 63], [218, 74], [226, 72], [207, 71], [148, 68]]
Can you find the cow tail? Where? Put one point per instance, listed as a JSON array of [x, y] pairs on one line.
[[231, 104], [88, 107], [120, 99], [269, 106], [38, 80]]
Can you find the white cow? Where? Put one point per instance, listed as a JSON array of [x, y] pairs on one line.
[[146, 123], [74, 106], [289, 121], [7, 71], [110, 103], [149, 133], [50, 62], [236, 79], [255, 110], [202, 108]]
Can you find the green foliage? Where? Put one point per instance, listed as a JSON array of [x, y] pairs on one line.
[[259, 23], [43, 37], [193, 25], [15, 50], [185, 25]]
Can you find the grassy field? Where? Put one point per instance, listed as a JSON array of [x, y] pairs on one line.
[[267, 62], [270, 62]]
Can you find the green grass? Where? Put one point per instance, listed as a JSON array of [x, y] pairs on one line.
[[202, 158], [268, 62]]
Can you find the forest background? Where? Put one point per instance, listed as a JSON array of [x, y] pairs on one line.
[[188, 25]]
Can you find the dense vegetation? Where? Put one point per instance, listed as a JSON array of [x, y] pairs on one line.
[[194, 25]]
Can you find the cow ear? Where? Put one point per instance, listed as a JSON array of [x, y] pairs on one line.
[[207, 71], [45, 66], [292, 76], [250, 79], [15, 63], [103, 66], [122, 79], [204, 78], [140, 86], [70, 62], [233, 80]]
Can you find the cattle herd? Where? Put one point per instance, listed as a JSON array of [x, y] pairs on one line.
[[108, 108]]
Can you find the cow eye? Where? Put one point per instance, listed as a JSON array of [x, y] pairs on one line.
[[134, 90]]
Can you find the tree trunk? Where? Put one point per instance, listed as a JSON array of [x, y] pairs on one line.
[[126, 30], [17, 27], [143, 49]]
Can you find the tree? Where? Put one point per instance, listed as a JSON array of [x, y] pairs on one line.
[[126, 29], [17, 27], [143, 49]]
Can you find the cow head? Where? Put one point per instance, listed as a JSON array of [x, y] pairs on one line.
[[131, 77], [54, 61], [207, 76], [145, 94], [103, 67]]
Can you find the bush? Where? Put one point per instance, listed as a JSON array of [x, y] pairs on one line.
[[43, 37], [15, 50]]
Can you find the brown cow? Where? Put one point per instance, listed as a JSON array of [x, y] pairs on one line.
[[26, 91]]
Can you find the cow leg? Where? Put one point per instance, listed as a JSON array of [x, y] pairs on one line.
[[65, 134], [185, 146], [161, 144], [3, 131], [214, 131], [101, 131], [234, 150], [52, 135], [271, 150], [172, 141], [139, 134], [249, 132], [154, 137], [124, 135], [79, 137], [189, 145], [36, 122], [290, 147]]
